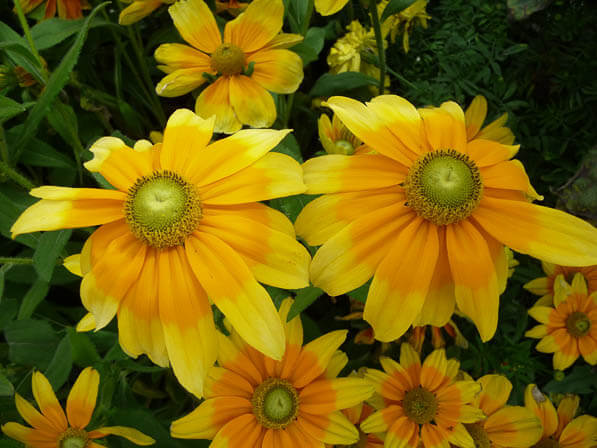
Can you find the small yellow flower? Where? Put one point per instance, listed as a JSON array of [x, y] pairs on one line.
[[53, 428], [139, 9], [404, 21], [335, 137]]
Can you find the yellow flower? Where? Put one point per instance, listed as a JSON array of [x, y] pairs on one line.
[[423, 404], [182, 225], [250, 60], [505, 426], [67, 9], [544, 286], [139, 9], [404, 20], [253, 401], [53, 428], [336, 138], [561, 429], [496, 131], [569, 327], [427, 217], [329, 7]]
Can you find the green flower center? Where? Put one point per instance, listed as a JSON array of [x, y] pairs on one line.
[[444, 186], [578, 324], [420, 405], [479, 435], [275, 403], [162, 209], [344, 147], [228, 59], [73, 438], [547, 443]]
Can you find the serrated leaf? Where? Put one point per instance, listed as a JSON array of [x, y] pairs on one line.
[[395, 7], [50, 32], [57, 81], [304, 298], [9, 108], [35, 295], [330, 84], [31, 342], [17, 50], [83, 350], [48, 250], [59, 369], [6, 387]]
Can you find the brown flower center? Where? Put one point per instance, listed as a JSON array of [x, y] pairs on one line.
[[73, 438], [228, 59], [547, 443], [443, 186], [420, 405], [479, 435], [275, 403], [162, 209], [578, 324]]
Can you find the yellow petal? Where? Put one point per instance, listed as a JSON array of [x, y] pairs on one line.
[[513, 426], [580, 432], [327, 395], [538, 286], [180, 82], [475, 116], [443, 129], [87, 323], [542, 407], [277, 70], [73, 264], [381, 420], [497, 132], [215, 100], [243, 431], [487, 152], [257, 26], [252, 104], [495, 391], [18, 432], [333, 428], [566, 411], [138, 10], [433, 371], [34, 417], [135, 436], [329, 7], [47, 401], [284, 40], [293, 328], [196, 24], [81, 399], [178, 56]]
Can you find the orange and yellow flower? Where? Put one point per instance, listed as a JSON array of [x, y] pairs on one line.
[[427, 217], [139, 9], [250, 61], [505, 426], [544, 286], [253, 401], [52, 428], [182, 228], [561, 429], [358, 414], [423, 404], [568, 328], [67, 9]]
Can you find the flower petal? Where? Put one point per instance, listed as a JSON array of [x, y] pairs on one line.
[[329, 7], [47, 401], [34, 417], [257, 26], [402, 434], [242, 432], [474, 116], [277, 70], [495, 391], [433, 371], [333, 428], [19, 432], [215, 100], [138, 10], [542, 407], [252, 104], [381, 420], [180, 81], [566, 411], [196, 24], [81, 399], [443, 130], [513, 426], [580, 432], [486, 152], [328, 395], [132, 434]]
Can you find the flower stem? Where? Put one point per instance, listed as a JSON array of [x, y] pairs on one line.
[[380, 46], [3, 146], [308, 15], [27, 32], [16, 177], [11, 260]]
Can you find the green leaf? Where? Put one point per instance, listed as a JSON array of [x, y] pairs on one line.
[[291, 206], [290, 147], [31, 342], [39, 153], [330, 84], [12, 204], [8, 311], [303, 299], [50, 32], [17, 50], [33, 298], [59, 369], [10, 108], [64, 121], [57, 81], [395, 7], [84, 352], [311, 46], [49, 249], [6, 387], [521, 9], [580, 380]]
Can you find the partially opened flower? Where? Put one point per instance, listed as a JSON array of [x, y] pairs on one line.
[[253, 401], [568, 329], [249, 60], [52, 428], [139, 9], [427, 217], [505, 426], [182, 225], [561, 429], [474, 117], [67, 9], [423, 404]]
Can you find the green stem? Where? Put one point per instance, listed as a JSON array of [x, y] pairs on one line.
[[308, 15], [380, 47], [3, 146], [401, 78], [16, 177], [27, 31], [11, 260]]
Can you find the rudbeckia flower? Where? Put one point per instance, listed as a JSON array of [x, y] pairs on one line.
[[52, 428], [139, 9], [568, 328], [253, 401], [182, 227], [544, 286], [336, 138], [561, 429], [505, 426], [423, 404], [67, 9], [250, 61], [427, 217]]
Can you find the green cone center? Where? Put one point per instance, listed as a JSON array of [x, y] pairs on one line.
[[275, 403], [444, 186], [73, 438], [228, 59], [479, 435], [344, 147], [420, 405], [578, 324], [162, 209]]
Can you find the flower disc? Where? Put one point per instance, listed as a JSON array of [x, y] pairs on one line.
[[578, 324], [228, 59], [73, 438], [275, 403], [420, 405]]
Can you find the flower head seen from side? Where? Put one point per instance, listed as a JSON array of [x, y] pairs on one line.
[[427, 216], [67, 9], [336, 138], [505, 426], [139, 9], [544, 286], [182, 224], [561, 429], [52, 427], [423, 404], [256, 402], [568, 328], [250, 60], [404, 21]]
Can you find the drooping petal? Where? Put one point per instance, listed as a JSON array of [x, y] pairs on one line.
[[257, 26], [196, 24], [277, 70], [541, 232], [513, 426], [214, 100], [542, 407], [186, 315], [81, 399], [47, 402], [495, 391], [233, 288], [132, 434], [252, 104], [329, 7], [394, 299], [328, 395], [242, 432]]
